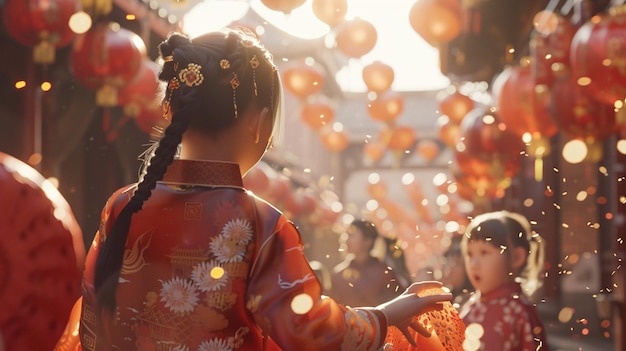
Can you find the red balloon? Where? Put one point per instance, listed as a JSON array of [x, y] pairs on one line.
[[41, 258], [580, 116], [436, 20], [32, 21], [522, 105], [285, 6], [597, 57], [107, 55], [356, 37]]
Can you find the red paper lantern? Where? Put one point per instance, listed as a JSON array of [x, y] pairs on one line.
[[550, 52], [386, 107], [523, 105], [303, 80], [456, 106], [579, 115], [280, 187], [448, 130], [398, 138], [285, 6], [436, 20], [335, 141], [485, 137], [427, 149], [300, 202], [150, 120], [331, 12], [107, 58], [597, 56], [41, 258], [378, 76], [356, 37], [40, 23], [317, 114], [142, 92], [374, 150]]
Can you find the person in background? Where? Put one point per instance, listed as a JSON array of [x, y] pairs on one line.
[[503, 259], [362, 279], [187, 258], [453, 275]]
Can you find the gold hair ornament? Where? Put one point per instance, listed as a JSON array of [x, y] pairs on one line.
[[234, 83], [254, 63], [191, 75]]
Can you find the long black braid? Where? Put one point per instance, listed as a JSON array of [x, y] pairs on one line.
[[207, 108]]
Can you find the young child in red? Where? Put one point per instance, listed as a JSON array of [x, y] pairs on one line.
[[503, 259], [187, 259]]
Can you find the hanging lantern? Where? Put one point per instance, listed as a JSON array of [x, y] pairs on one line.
[[143, 91], [41, 258], [579, 115], [597, 56], [284, 6], [374, 150], [485, 137], [550, 46], [334, 140], [378, 76], [317, 113], [448, 130], [356, 37], [303, 80], [331, 12], [456, 106], [300, 202], [398, 138], [377, 190], [523, 105], [150, 120], [386, 107], [40, 24], [436, 20], [105, 59], [427, 149]]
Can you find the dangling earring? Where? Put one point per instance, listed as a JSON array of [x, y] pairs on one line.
[[234, 83]]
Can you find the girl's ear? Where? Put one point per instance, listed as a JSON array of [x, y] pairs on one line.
[[256, 125], [519, 257]]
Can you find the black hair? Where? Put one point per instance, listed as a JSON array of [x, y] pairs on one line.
[[507, 230], [208, 108], [368, 229]]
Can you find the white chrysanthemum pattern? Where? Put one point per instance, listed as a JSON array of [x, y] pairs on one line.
[[215, 345], [205, 281], [179, 295], [239, 230], [226, 250], [181, 348]]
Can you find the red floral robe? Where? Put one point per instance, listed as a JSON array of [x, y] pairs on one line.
[[506, 321], [209, 266]]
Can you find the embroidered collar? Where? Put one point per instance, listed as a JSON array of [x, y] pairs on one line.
[[203, 173]]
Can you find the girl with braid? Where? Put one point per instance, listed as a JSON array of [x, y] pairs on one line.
[[187, 259]]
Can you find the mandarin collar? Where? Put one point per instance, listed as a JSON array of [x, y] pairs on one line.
[[203, 173]]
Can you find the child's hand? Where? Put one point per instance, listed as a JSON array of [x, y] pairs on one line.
[[401, 310]]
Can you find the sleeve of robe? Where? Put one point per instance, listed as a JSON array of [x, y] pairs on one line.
[[285, 298]]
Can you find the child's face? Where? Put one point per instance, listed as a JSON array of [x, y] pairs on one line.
[[487, 267]]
